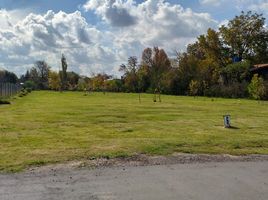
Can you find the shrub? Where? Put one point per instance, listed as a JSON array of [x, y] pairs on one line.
[[257, 88], [194, 88], [266, 90], [213, 91], [2, 101], [23, 93], [234, 90], [30, 84], [29, 90], [236, 72]]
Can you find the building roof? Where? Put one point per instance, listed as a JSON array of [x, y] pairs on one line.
[[261, 66]]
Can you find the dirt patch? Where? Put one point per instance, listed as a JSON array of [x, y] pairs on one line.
[[145, 160]]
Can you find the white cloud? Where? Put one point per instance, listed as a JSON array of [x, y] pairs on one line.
[[114, 12], [211, 2], [158, 23], [151, 23], [259, 7], [47, 36], [9, 18]]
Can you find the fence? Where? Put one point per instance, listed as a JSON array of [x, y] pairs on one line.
[[9, 89]]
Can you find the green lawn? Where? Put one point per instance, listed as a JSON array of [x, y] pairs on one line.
[[47, 127]]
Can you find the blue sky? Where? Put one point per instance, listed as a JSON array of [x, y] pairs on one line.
[[98, 35]]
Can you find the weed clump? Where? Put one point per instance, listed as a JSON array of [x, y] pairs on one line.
[[24, 92], [2, 101]]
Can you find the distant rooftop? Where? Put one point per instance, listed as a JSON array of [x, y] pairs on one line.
[[261, 66], [260, 69]]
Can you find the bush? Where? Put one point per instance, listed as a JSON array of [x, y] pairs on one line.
[[266, 90], [2, 101], [194, 88], [23, 93], [29, 90], [257, 88], [30, 85], [234, 90], [213, 91], [236, 72]]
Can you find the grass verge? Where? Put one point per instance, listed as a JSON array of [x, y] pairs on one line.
[[49, 127]]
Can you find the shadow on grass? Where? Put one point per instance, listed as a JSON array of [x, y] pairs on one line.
[[234, 127]]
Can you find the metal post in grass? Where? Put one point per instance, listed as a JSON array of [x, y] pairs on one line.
[[227, 121]]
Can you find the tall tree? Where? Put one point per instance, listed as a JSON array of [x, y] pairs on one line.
[[187, 71], [257, 88], [99, 82], [158, 65], [72, 80], [161, 66], [145, 69], [63, 73], [6, 76], [54, 80], [213, 49], [34, 76], [38, 75], [147, 57], [42, 70], [247, 37], [131, 76]]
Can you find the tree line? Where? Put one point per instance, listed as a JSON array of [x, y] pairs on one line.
[[218, 64]]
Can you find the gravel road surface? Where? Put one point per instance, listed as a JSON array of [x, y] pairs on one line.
[[196, 181]]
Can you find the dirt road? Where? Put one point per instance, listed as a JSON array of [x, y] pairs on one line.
[[200, 181]]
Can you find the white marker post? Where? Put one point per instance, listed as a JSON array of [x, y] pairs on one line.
[[227, 121]]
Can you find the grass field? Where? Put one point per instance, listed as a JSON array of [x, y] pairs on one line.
[[47, 127]]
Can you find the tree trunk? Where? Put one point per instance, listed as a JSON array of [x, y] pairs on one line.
[[154, 99]]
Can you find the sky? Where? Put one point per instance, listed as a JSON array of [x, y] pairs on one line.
[[96, 36]]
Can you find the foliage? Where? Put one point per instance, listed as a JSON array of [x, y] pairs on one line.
[[213, 48], [99, 82], [29, 84], [247, 37], [41, 77], [24, 92], [194, 88], [236, 72], [218, 63], [114, 85], [72, 80], [257, 88], [4, 101], [63, 73], [42, 72], [37, 76], [131, 77], [8, 77], [234, 90], [159, 68], [82, 84], [54, 80]]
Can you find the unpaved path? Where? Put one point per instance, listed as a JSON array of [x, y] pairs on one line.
[[209, 179]]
